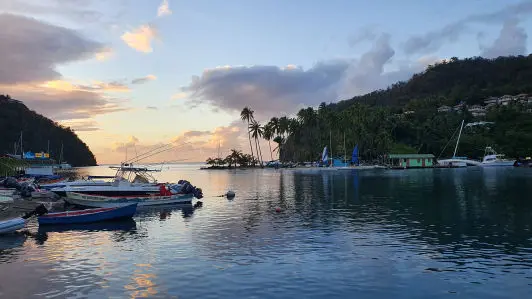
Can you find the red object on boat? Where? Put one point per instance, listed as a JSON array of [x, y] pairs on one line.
[[164, 191]]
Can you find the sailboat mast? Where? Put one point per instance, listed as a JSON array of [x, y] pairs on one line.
[[345, 155], [330, 146], [458, 140], [21, 148]]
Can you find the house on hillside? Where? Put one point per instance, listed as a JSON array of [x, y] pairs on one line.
[[477, 110], [491, 101], [444, 109], [411, 160]]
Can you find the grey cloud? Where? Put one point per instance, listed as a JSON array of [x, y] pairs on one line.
[[143, 79], [433, 40], [67, 105], [266, 88], [31, 50], [76, 10], [367, 73], [511, 41], [272, 90]]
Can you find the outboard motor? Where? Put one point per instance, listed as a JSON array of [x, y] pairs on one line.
[[11, 183]]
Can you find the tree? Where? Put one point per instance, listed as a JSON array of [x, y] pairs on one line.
[[256, 131], [247, 115], [268, 135]]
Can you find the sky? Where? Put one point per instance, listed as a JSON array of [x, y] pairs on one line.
[[131, 75]]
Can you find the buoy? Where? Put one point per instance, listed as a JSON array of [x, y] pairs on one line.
[[278, 210], [230, 194]]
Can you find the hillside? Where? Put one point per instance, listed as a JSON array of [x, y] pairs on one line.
[[409, 117], [470, 80], [37, 131]]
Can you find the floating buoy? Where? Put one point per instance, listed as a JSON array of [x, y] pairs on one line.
[[230, 194], [278, 210]]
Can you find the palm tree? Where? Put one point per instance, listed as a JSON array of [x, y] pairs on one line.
[[247, 115], [256, 131], [274, 123], [284, 123], [279, 140], [268, 135]]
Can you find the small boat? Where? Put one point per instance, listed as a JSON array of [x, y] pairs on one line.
[[12, 225], [492, 159], [118, 201], [88, 216]]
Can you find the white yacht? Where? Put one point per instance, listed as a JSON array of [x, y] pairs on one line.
[[492, 159]]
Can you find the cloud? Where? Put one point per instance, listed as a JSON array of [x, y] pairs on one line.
[[152, 108], [32, 50], [196, 133], [511, 41], [81, 125], [164, 9], [433, 40], [272, 90], [104, 54], [80, 11], [143, 79], [61, 103], [265, 88], [98, 86], [140, 39]]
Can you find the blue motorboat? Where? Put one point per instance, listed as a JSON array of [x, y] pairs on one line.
[[89, 215]]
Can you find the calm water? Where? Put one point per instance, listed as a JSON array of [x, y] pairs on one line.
[[442, 233]]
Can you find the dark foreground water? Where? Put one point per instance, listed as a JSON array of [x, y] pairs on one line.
[[442, 233]]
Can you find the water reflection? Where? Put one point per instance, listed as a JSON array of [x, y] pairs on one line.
[[377, 234]]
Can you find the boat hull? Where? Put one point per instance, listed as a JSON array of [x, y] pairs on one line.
[[498, 164], [12, 225], [89, 216], [109, 202]]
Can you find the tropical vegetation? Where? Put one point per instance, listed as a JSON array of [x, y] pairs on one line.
[[404, 118]]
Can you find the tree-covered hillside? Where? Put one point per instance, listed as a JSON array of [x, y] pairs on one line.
[[37, 130], [470, 80], [406, 118]]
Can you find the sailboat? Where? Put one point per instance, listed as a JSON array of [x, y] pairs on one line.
[[451, 162]]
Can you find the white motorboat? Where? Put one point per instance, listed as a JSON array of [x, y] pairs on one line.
[[143, 189], [492, 159], [117, 201]]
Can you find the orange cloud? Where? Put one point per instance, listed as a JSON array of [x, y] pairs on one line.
[[140, 39]]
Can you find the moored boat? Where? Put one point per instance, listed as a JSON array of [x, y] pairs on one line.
[[492, 159], [90, 215], [88, 200], [12, 225]]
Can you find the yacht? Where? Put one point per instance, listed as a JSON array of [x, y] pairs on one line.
[[492, 159]]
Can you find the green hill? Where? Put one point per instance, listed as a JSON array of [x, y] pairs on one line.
[[404, 118], [470, 80], [37, 131]]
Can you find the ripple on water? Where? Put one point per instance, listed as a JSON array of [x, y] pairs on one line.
[[401, 234]]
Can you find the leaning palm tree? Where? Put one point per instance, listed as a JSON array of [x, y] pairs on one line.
[[247, 115], [268, 135], [256, 131]]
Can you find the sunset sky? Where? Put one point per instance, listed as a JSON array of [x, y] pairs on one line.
[[142, 73]]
